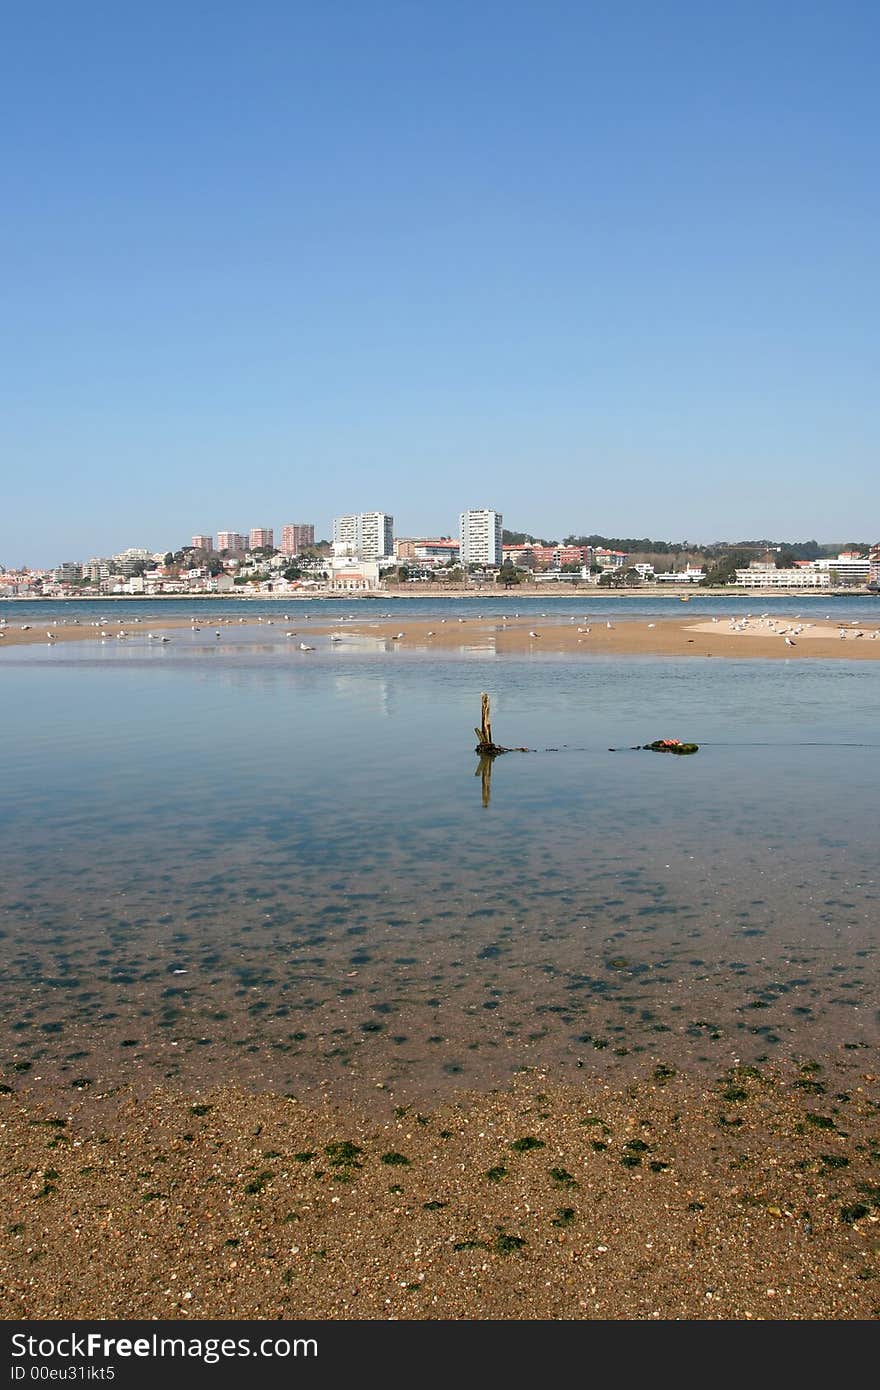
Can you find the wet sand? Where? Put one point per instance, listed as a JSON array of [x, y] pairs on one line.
[[613, 637], [756, 1195], [751, 639]]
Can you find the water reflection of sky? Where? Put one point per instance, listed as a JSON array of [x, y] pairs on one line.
[[312, 825]]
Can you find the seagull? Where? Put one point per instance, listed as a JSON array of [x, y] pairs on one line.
[[51, 636], [431, 634], [654, 624], [397, 636], [609, 624], [164, 639], [290, 634], [304, 648], [25, 627], [534, 634], [334, 637], [789, 642]]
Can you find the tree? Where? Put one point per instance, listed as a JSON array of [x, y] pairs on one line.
[[169, 558], [522, 538], [292, 572], [722, 573], [508, 575], [786, 560]]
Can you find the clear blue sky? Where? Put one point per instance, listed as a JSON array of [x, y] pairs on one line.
[[606, 267]]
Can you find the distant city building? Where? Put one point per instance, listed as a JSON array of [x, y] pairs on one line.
[[850, 567], [480, 533], [609, 559], [760, 576], [233, 541], [69, 572], [537, 557], [203, 543], [368, 535], [132, 560], [425, 551], [297, 537], [349, 573], [688, 575], [262, 538], [874, 566], [96, 569]]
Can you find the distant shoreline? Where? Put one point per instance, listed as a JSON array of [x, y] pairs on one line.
[[568, 591]]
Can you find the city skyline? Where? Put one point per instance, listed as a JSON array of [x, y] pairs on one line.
[[620, 265], [295, 537]]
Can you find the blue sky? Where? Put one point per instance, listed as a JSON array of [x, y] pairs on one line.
[[605, 267]]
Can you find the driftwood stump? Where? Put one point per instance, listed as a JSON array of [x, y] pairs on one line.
[[485, 745]]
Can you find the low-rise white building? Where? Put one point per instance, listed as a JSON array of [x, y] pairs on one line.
[[685, 576], [848, 569], [348, 572], [769, 577]]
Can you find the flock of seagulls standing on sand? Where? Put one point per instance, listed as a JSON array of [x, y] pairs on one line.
[[789, 631]]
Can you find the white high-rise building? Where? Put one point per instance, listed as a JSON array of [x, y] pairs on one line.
[[480, 532], [369, 535]]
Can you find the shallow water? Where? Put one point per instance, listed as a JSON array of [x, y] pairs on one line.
[[422, 603], [223, 859]]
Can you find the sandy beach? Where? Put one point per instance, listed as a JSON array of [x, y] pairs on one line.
[[755, 1195], [744, 637]]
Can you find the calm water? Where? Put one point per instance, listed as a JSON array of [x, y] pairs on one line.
[[225, 858], [859, 608]]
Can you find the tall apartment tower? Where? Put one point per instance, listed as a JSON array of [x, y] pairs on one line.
[[233, 541], [296, 537], [370, 534], [262, 538], [203, 543], [480, 532]]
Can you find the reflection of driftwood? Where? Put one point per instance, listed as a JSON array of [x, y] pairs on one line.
[[484, 771], [485, 746]]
